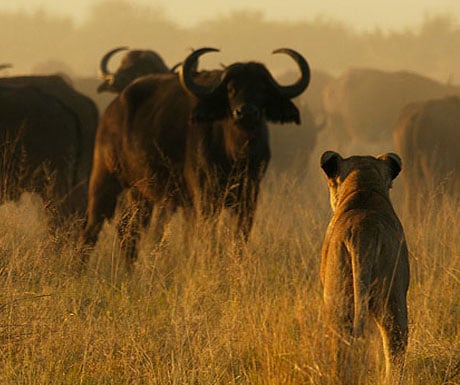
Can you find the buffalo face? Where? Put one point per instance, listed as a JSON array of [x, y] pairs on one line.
[[246, 93], [253, 99]]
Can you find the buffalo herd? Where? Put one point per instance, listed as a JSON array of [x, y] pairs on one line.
[[201, 140]]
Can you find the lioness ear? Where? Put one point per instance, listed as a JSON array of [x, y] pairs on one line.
[[394, 163], [330, 163]]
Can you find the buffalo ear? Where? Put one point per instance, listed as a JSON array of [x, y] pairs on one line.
[[282, 110], [330, 163], [209, 110], [104, 87], [394, 163]]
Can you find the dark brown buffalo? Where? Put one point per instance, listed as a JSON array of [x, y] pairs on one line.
[[362, 105], [197, 141], [135, 63], [40, 143], [81, 108], [427, 135]]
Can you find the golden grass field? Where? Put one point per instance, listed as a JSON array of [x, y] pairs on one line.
[[206, 313]]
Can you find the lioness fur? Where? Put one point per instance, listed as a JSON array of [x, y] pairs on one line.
[[364, 266]]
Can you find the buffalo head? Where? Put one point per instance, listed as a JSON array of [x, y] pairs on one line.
[[134, 64], [245, 92]]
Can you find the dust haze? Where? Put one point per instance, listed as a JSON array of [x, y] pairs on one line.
[[41, 43], [207, 312]]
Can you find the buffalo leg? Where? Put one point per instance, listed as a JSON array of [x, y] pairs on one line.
[[102, 199], [161, 218], [245, 222], [245, 212], [135, 218], [190, 221]]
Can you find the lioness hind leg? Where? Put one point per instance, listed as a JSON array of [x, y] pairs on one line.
[[340, 344], [393, 328]]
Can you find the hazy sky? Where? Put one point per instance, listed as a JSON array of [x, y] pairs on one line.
[[362, 14]]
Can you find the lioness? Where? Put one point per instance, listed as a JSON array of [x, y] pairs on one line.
[[365, 266]]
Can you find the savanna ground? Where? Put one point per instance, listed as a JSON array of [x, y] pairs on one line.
[[205, 313]]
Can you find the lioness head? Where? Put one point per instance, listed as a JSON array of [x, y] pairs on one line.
[[359, 173]]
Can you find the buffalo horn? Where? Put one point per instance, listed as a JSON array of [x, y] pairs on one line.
[[301, 85], [186, 77], [103, 71]]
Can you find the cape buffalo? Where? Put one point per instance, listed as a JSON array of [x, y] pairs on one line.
[[84, 116], [135, 63], [197, 140], [427, 135], [365, 264], [40, 143]]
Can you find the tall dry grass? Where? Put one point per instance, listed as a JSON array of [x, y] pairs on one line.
[[208, 313]]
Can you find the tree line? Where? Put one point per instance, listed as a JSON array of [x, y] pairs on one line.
[[39, 42]]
